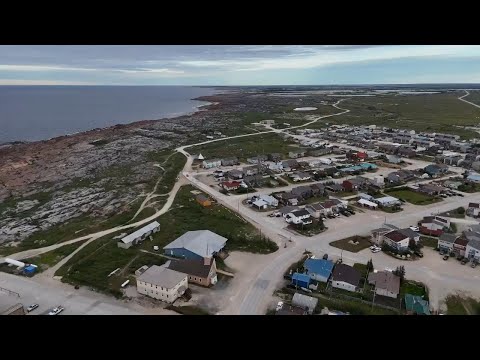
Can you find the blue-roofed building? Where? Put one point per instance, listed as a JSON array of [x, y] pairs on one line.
[[300, 280], [368, 166], [318, 269], [29, 270], [474, 178]]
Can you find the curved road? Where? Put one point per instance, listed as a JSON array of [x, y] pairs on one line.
[[468, 102]]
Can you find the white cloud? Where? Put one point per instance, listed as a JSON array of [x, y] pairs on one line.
[[42, 68], [151, 71], [42, 82]]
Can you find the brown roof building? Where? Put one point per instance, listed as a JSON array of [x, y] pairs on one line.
[[386, 283], [201, 272]]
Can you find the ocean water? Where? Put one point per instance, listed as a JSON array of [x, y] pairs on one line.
[[31, 113]]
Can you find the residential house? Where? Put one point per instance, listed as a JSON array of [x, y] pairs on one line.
[[406, 152], [412, 235], [446, 241], [255, 180], [230, 185], [460, 245], [334, 187], [138, 236], [288, 198], [269, 200], [386, 283], [287, 209], [473, 209], [252, 170], [318, 189], [315, 210], [318, 269], [230, 161], [393, 159], [415, 305], [354, 184], [430, 189], [300, 176], [257, 159], [435, 170], [368, 204], [304, 192], [387, 201], [197, 245], [290, 165], [203, 200], [345, 277], [291, 310], [298, 217], [260, 204], [366, 196], [472, 251], [208, 164], [377, 234], [295, 154], [308, 303], [388, 148], [301, 280], [235, 174], [275, 157], [161, 283], [396, 240], [356, 155], [201, 272], [433, 225]]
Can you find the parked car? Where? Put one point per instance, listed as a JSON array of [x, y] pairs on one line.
[[351, 211], [376, 250], [415, 228], [446, 257], [32, 307], [336, 214], [464, 261], [460, 194], [279, 306], [56, 310]]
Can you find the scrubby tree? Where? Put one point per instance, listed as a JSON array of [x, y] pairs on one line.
[[370, 265], [400, 272], [461, 210]]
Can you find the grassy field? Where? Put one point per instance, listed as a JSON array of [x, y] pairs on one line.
[[51, 258], [457, 305], [474, 97], [309, 230], [432, 112], [458, 213], [245, 147], [172, 167], [412, 197], [413, 288], [91, 266], [429, 241], [364, 242], [187, 215]]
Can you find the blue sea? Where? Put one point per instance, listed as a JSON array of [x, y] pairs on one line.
[[31, 113]]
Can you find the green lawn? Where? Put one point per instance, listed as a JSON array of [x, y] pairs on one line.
[[413, 288], [51, 258], [362, 268], [430, 112], [412, 197], [457, 305], [429, 241], [245, 147], [309, 230], [363, 243], [351, 306], [458, 213]]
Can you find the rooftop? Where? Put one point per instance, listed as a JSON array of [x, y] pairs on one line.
[[191, 267], [135, 235], [347, 274], [162, 276], [385, 280], [319, 266], [201, 242], [395, 236]]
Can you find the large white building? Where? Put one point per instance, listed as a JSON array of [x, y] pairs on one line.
[[139, 235], [161, 283]]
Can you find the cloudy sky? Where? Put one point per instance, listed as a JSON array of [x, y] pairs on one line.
[[238, 64]]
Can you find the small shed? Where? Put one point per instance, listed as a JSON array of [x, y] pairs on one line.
[[203, 200], [306, 302], [300, 280], [29, 270]]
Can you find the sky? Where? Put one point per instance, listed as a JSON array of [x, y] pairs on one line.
[[238, 64]]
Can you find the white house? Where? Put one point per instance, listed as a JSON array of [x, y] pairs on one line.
[[345, 277], [260, 204], [298, 217], [472, 251], [446, 241], [473, 209], [139, 235], [387, 201], [300, 176], [315, 210], [208, 164], [367, 203], [396, 240], [386, 283], [161, 283], [270, 200]]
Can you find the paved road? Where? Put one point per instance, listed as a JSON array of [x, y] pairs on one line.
[[76, 302]]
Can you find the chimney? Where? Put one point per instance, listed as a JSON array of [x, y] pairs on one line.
[[207, 260]]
